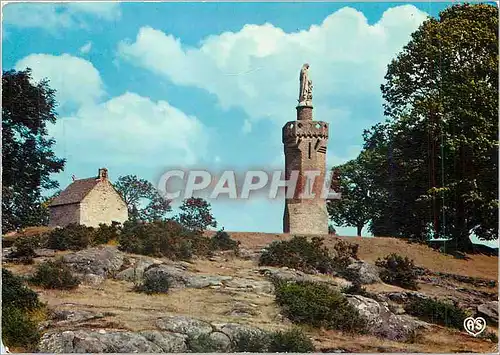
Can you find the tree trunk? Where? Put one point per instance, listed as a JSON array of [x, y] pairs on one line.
[[359, 230]]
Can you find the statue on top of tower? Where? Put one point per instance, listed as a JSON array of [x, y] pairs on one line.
[[305, 92]]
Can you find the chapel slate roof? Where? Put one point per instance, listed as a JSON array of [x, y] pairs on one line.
[[75, 192]]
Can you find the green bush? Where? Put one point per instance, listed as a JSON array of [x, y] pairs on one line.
[[154, 283], [356, 289], [24, 248], [317, 305], [222, 241], [298, 253], [54, 275], [343, 253], [292, 341], [162, 239], [438, 312], [251, 342], [16, 294], [72, 237], [489, 335], [398, 271], [105, 233], [19, 329], [202, 343]]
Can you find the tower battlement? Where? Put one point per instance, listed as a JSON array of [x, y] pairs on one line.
[[304, 129]]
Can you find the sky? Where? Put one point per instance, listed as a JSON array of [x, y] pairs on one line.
[[144, 88]]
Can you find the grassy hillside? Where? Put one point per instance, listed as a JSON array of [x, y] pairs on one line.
[[242, 299]]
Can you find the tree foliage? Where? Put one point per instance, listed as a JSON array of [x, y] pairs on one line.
[[27, 155], [355, 208], [138, 192], [434, 162], [196, 214]]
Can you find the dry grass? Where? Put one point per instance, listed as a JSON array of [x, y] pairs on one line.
[[9, 238], [133, 311], [126, 309], [137, 311], [435, 340], [28, 232], [372, 248]]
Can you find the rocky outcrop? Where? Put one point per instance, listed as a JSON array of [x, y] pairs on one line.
[[100, 261], [184, 325], [489, 310], [179, 277], [362, 272], [287, 274], [168, 342], [175, 334], [136, 272], [382, 322], [403, 297], [97, 341], [249, 285]]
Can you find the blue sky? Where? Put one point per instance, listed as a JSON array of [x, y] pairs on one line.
[[144, 87]]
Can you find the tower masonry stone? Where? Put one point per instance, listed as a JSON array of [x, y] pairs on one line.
[[305, 143]]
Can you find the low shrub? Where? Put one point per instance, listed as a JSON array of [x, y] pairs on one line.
[[222, 241], [16, 294], [299, 253], [19, 330], [437, 312], [162, 239], [154, 283], [489, 335], [24, 247], [291, 341], [357, 289], [72, 237], [398, 271], [54, 275], [343, 253], [202, 343], [105, 233], [19, 326], [317, 305], [251, 342]]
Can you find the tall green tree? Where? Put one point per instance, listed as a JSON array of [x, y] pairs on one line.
[[143, 200], [355, 208], [441, 138], [27, 150], [196, 214]]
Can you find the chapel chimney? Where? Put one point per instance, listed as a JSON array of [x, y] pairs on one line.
[[103, 174]]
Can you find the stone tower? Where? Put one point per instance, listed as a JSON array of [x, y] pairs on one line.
[[305, 142]]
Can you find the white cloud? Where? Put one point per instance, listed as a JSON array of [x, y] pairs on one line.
[[104, 10], [54, 16], [76, 81], [86, 47], [125, 130], [131, 129], [257, 68]]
